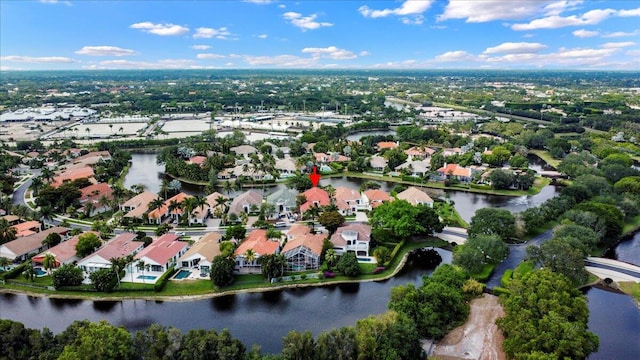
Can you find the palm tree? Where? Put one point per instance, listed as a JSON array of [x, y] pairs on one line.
[[164, 187], [47, 174], [228, 187], [141, 266], [188, 205], [156, 203], [138, 188], [88, 131], [4, 262], [117, 264], [36, 184], [7, 232], [49, 262], [250, 256], [30, 272], [331, 257], [173, 206]]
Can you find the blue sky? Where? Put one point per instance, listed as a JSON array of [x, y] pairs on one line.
[[362, 34]]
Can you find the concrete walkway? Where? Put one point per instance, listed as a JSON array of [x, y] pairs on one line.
[[453, 235]]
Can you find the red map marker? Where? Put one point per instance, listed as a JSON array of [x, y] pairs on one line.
[[314, 176]]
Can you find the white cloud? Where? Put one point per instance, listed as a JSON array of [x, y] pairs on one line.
[[409, 7], [263, 36], [404, 64], [617, 45], [160, 29], [582, 33], [555, 21], [105, 51], [483, 11], [364, 53], [200, 47], [515, 48], [618, 34], [207, 33], [330, 52], [558, 7], [68, 3], [454, 56], [632, 12], [304, 22], [210, 56], [42, 59]]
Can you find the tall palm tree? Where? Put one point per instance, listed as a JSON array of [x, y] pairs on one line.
[[228, 187], [117, 264], [173, 206], [47, 174], [30, 272], [49, 262], [250, 256], [164, 187]]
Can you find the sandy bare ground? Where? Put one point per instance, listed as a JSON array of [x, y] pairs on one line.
[[479, 338]]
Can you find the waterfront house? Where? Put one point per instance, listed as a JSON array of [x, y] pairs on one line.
[[284, 200], [201, 254], [258, 243], [74, 174], [217, 204], [197, 160], [415, 168], [161, 254], [316, 197], [455, 171], [384, 145], [378, 163], [64, 252], [18, 250], [352, 238], [98, 195], [415, 197], [286, 167], [330, 157], [347, 200], [373, 198], [122, 246], [170, 208], [303, 252]]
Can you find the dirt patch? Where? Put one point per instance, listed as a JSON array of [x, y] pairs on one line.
[[479, 338]]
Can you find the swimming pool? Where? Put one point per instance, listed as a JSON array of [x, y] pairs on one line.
[[147, 277], [39, 272], [182, 274], [366, 259]]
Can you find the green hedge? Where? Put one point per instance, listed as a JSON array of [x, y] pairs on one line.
[[160, 284], [394, 253], [13, 273]]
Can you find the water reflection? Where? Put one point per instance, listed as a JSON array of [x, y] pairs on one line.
[[105, 306], [224, 303]]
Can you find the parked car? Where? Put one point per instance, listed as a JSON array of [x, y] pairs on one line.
[[180, 233], [280, 224]]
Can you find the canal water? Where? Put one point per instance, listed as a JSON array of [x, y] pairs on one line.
[[265, 318]]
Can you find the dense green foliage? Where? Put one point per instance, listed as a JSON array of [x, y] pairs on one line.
[[401, 220], [546, 316], [479, 251], [67, 275], [222, 268], [87, 244], [492, 221], [348, 264]]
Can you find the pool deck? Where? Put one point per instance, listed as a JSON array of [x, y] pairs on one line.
[[133, 277]]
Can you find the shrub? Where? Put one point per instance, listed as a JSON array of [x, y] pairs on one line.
[[329, 274], [13, 273], [160, 284], [67, 275]]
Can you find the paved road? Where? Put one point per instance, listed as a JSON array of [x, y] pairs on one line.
[[613, 268], [517, 253]]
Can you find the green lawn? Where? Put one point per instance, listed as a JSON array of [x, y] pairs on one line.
[[632, 289], [631, 225], [544, 155]]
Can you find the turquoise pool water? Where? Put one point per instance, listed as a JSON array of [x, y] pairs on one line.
[[182, 274], [365, 260], [39, 271], [147, 277]]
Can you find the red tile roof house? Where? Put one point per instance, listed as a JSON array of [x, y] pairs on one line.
[[373, 198], [64, 253], [347, 200], [330, 157], [386, 145], [19, 249], [157, 216], [74, 174], [120, 247], [455, 171], [354, 238], [315, 197], [303, 252], [256, 241], [198, 160], [27, 228], [160, 255], [94, 194]]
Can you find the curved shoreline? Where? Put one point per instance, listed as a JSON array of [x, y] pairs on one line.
[[184, 298]]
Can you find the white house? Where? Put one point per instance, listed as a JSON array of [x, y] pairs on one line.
[[120, 247], [201, 254], [161, 254], [352, 238]]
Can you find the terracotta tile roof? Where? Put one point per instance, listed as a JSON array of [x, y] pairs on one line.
[[376, 195], [455, 170], [199, 160], [162, 249], [258, 242], [157, 213], [26, 228], [297, 230], [95, 192], [33, 242], [73, 174], [312, 242], [63, 252], [387, 145], [122, 246], [315, 194]]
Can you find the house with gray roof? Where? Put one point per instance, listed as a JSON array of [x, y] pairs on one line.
[[284, 200], [244, 202]]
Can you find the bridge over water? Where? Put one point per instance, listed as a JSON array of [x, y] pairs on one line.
[[615, 270]]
